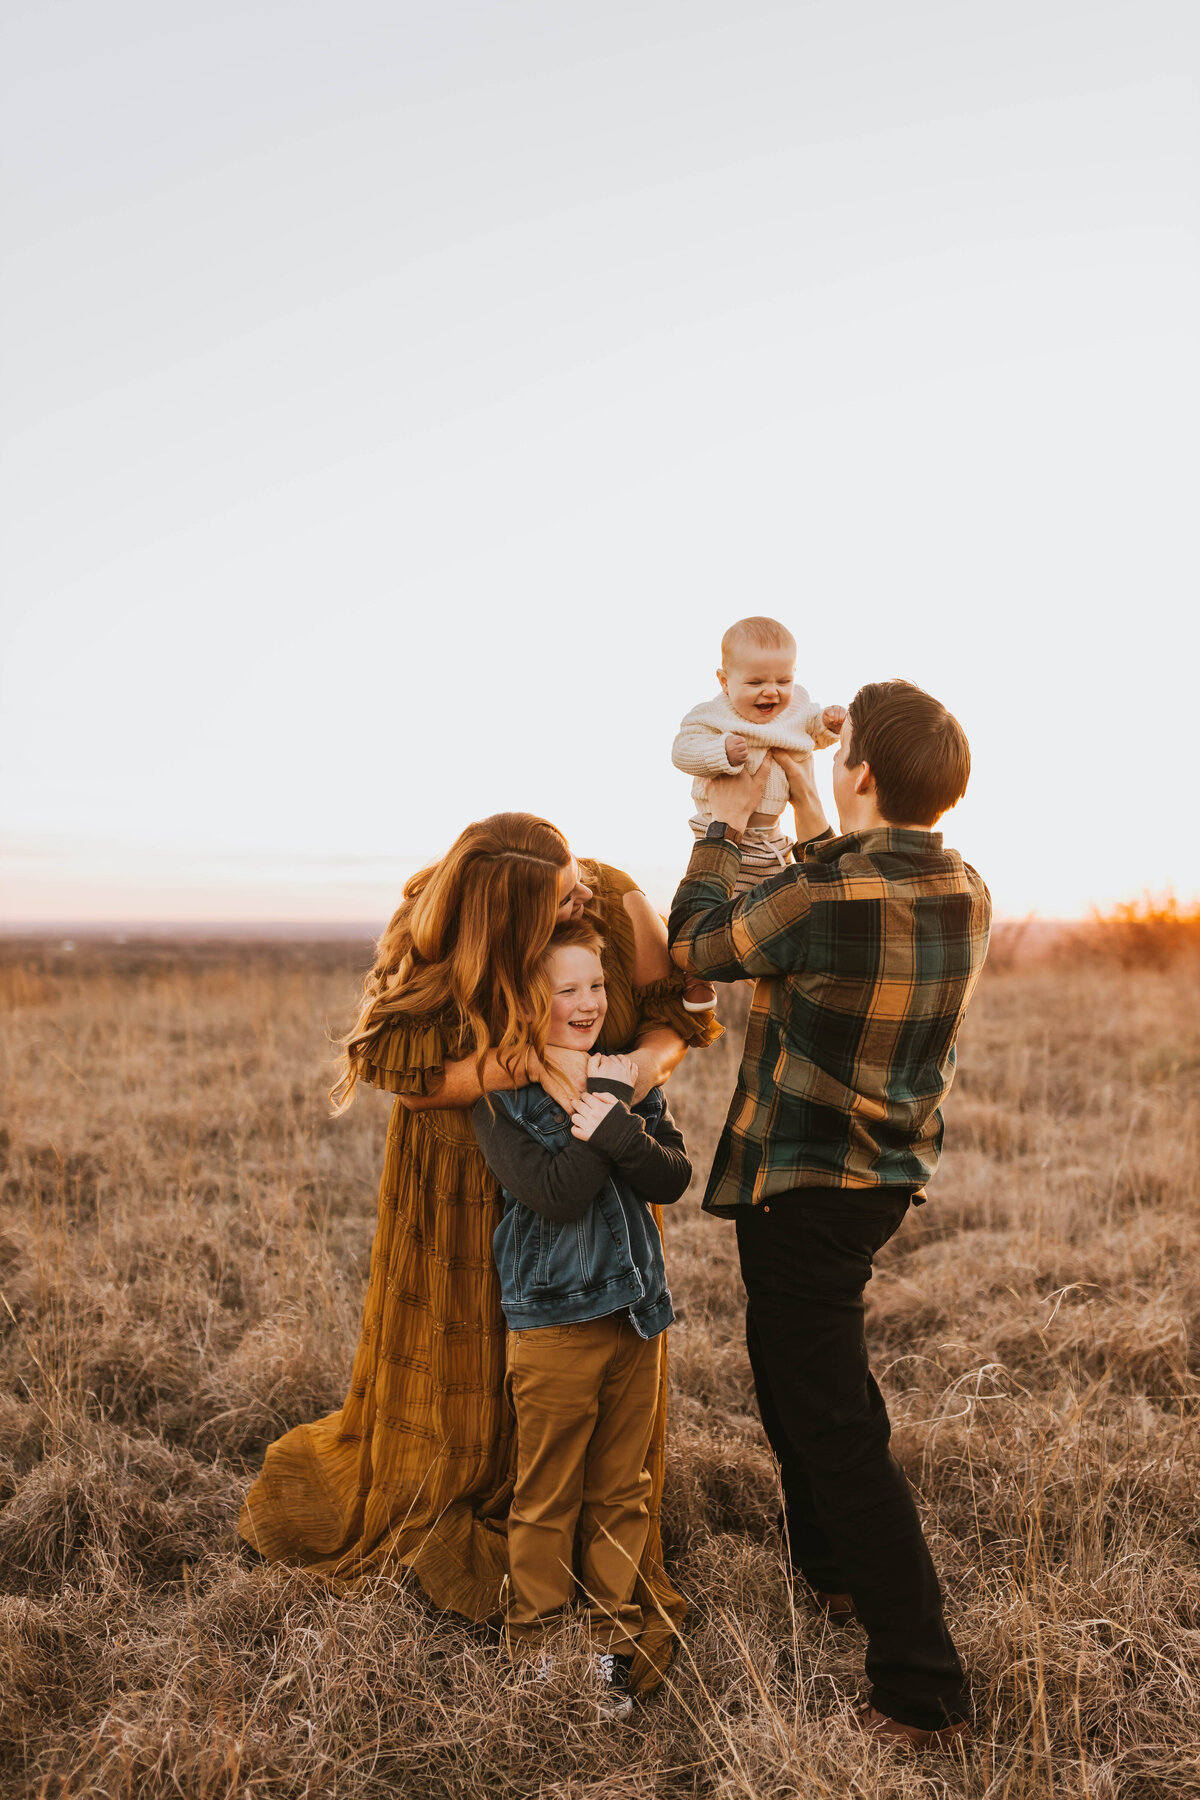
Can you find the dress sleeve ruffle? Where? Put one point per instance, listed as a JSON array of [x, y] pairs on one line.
[[407, 1056], [661, 1004]]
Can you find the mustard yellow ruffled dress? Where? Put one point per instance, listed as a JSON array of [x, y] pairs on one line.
[[416, 1469]]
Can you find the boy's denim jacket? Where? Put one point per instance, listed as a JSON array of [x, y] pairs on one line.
[[609, 1260]]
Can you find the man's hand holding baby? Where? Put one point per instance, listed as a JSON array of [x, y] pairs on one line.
[[807, 809], [735, 798]]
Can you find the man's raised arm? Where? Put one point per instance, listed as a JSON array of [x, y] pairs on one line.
[[761, 933]]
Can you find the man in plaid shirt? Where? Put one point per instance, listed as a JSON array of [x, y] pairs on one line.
[[865, 954]]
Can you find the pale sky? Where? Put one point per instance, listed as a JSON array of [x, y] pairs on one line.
[[399, 400]]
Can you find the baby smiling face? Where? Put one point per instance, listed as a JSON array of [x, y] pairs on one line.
[[578, 1001], [758, 682]]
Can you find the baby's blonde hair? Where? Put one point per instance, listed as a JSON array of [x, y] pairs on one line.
[[757, 633]]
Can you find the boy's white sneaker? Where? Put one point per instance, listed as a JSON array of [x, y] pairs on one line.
[[612, 1677]]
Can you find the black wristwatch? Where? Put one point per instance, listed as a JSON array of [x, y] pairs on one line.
[[720, 831]]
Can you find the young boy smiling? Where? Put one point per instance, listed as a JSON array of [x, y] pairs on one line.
[[585, 1297]]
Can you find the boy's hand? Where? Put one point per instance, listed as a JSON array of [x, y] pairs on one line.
[[736, 749], [833, 718], [613, 1068], [591, 1113]]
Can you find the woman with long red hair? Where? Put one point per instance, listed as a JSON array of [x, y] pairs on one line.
[[415, 1470]]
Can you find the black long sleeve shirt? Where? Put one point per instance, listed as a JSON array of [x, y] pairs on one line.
[[561, 1186]]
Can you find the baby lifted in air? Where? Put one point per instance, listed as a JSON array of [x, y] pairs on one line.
[[760, 708]]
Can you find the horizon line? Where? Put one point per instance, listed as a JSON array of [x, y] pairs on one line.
[[311, 928]]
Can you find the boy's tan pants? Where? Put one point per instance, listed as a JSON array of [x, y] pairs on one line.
[[585, 1398]]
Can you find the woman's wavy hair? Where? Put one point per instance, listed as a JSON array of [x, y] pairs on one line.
[[470, 933]]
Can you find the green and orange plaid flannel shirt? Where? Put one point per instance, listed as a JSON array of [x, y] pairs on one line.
[[866, 952]]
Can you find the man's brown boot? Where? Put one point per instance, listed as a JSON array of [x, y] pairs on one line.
[[911, 1737], [838, 1608]]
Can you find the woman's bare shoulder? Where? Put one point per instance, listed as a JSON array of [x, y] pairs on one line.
[[635, 930]]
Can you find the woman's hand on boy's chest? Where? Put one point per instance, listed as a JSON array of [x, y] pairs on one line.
[[566, 1082]]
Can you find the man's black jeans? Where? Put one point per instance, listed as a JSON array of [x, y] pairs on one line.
[[851, 1519]]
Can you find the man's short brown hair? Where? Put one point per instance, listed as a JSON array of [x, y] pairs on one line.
[[917, 751]]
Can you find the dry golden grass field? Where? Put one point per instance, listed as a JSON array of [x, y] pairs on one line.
[[184, 1238]]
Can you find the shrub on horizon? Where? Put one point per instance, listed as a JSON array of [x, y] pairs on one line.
[[1148, 933]]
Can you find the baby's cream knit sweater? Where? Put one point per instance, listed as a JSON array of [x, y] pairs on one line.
[[699, 749]]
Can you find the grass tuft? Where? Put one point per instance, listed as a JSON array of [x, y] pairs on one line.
[[184, 1239]]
